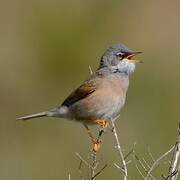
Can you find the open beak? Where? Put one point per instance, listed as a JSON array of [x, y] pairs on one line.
[[132, 55]]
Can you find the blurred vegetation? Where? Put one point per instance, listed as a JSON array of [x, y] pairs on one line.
[[45, 49]]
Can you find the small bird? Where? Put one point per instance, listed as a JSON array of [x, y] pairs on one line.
[[100, 98]]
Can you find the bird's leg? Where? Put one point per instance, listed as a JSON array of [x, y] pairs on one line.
[[89, 133], [103, 124], [95, 142]]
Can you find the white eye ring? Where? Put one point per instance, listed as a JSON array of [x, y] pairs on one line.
[[120, 55]]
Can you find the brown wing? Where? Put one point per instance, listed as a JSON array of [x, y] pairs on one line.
[[83, 91]]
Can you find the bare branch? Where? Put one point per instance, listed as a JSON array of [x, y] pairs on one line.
[[90, 70], [150, 154], [83, 160], [175, 164], [130, 152], [156, 162], [79, 169], [94, 165], [124, 166], [142, 166], [146, 163], [139, 171], [99, 172], [69, 176], [118, 167]]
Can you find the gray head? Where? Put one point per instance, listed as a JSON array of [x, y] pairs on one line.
[[118, 58]]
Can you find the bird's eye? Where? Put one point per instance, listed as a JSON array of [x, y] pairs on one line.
[[120, 55]]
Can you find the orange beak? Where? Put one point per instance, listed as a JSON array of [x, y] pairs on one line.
[[133, 54]]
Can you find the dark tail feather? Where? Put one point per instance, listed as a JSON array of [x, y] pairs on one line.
[[41, 114]]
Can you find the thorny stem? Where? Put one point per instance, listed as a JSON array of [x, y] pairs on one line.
[[124, 168], [94, 165]]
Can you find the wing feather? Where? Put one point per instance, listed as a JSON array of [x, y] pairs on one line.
[[83, 91]]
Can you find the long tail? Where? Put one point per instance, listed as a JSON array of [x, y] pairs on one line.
[[41, 114]]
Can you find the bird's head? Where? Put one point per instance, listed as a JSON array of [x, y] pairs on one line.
[[119, 58]]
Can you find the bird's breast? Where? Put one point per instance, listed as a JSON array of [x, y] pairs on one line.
[[105, 102], [115, 89]]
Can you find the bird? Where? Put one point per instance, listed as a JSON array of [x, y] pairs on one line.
[[100, 98]]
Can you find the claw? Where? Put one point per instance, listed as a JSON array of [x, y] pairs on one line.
[[96, 146]]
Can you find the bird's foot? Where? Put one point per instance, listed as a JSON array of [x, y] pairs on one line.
[[102, 122], [96, 145]]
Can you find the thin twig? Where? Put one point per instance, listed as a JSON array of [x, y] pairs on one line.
[[143, 166], [90, 71], [94, 165], [156, 162], [83, 160], [69, 176], [140, 162], [139, 171], [150, 154], [125, 172], [79, 169], [174, 167], [118, 167], [99, 172], [146, 163], [130, 152]]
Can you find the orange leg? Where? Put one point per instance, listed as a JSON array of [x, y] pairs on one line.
[[103, 124], [89, 133], [96, 143]]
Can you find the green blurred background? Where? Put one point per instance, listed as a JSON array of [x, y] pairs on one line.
[[46, 47]]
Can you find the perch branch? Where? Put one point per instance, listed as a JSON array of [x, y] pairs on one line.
[[92, 165], [118, 146]]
